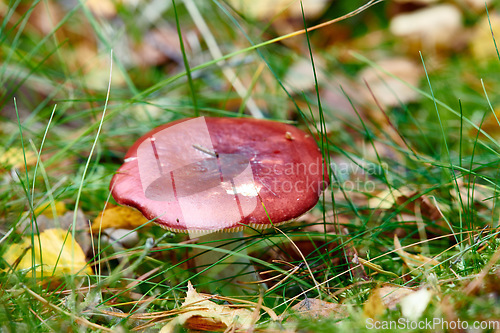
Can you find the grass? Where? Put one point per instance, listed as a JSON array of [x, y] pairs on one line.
[[76, 92]]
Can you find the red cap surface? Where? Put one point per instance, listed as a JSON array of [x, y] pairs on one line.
[[211, 174]]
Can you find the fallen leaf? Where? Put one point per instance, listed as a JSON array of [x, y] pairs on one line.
[[414, 305], [491, 124], [15, 158], [45, 16], [391, 84], [482, 45], [56, 254], [316, 308], [266, 10], [477, 5], [102, 8], [430, 28], [374, 307], [413, 261], [422, 2], [474, 195], [58, 208], [157, 47], [198, 313], [405, 197], [65, 222], [387, 198], [299, 76], [392, 295], [121, 238], [119, 217]]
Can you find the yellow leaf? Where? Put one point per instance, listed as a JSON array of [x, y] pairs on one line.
[[120, 217], [265, 10], [387, 198], [200, 314], [14, 158], [57, 255], [481, 43], [374, 307], [46, 209], [102, 8], [413, 261]]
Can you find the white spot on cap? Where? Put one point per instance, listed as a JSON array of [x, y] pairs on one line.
[[246, 189]]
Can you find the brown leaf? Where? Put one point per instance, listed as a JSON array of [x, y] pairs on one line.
[[389, 90], [102, 8], [491, 124], [391, 294], [430, 28], [316, 308], [45, 16], [265, 10], [157, 47], [477, 195], [410, 199], [198, 313]]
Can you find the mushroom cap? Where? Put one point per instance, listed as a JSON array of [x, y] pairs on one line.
[[211, 174]]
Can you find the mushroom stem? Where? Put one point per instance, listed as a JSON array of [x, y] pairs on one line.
[[237, 270]]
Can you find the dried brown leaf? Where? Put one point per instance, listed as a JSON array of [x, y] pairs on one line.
[[391, 294], [430, 28], [316, 308], [198, 313], [265, 10], [388, 90]]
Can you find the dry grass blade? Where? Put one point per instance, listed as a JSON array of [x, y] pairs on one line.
[[327, 23], [316, 284]]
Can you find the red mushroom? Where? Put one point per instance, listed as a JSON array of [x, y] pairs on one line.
[[206, 175]]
